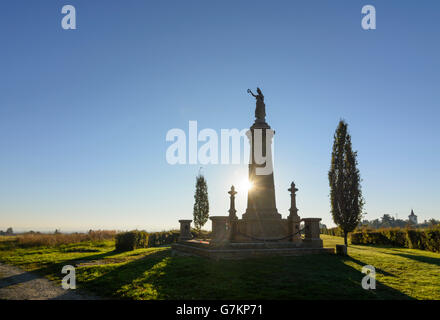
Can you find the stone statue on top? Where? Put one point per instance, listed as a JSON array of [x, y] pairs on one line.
[[260, 109]]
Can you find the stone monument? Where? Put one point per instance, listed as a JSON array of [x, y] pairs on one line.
[[261, 231], [185, 230]]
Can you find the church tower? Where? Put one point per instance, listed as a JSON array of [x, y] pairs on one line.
[[412, 217]]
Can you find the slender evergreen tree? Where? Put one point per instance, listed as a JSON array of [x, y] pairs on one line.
[[344, 178], [201, 204]]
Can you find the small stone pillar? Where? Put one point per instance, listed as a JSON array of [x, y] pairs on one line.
[[293, 218], [312, 233], [341, 249], [232, 221], [185, 230], [219, 228]]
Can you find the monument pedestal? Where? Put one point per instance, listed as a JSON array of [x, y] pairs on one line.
[[312, 233], [219, 229], [261, 230], [185, 230]]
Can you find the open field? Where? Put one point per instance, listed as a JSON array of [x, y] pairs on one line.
[[153, 274]]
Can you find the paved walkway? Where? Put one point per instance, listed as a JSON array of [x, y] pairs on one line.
[[17, 284]]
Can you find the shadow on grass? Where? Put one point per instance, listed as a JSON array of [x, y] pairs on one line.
[[160, 276], [369, 246], [52, 269], [378, 270], [115, 277], [398, 251], [419, 258]]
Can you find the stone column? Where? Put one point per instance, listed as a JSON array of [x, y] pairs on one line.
[[261, 197], [261, 219], [312, 233], [219, 228], [293, 218], [185, 230]]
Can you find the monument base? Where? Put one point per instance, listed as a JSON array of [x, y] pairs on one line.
[[261, 229], [228, 250]]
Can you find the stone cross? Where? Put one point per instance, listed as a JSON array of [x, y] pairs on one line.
[[293, 209], [294, 219], [232, 211]]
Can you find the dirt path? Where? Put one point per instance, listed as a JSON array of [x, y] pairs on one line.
[[16, 284]]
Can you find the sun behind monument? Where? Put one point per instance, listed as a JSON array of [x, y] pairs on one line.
[[245, 185]]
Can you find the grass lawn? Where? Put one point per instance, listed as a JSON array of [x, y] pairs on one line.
[[153, 274]]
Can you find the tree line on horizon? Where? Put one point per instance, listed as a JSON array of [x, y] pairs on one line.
[[388, 221], [9, 232]]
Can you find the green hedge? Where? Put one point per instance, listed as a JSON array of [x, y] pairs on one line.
[[140, 239], [131, 240], [337, 232], [168, 237], [156, 239], [200, 234], [428, 239]]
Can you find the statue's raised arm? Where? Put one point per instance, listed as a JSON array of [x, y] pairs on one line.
[[250, 91], [259, 96]]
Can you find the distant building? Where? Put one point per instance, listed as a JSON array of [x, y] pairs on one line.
[[412, 217]]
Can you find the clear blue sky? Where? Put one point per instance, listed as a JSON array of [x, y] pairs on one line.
[[84, 113]]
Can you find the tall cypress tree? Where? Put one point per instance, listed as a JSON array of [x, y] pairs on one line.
[[344, 178], [201, 204]]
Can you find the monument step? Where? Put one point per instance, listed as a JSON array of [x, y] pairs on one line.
[[241, 253]]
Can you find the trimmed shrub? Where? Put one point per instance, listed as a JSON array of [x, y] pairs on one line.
[[369, 237], [336, 232], [163, 238], [131, 240], [357, 238], [432, 240], [140, 239], [416, 239], [396, 237], [201, 234], [376, 238], [428, 239]]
